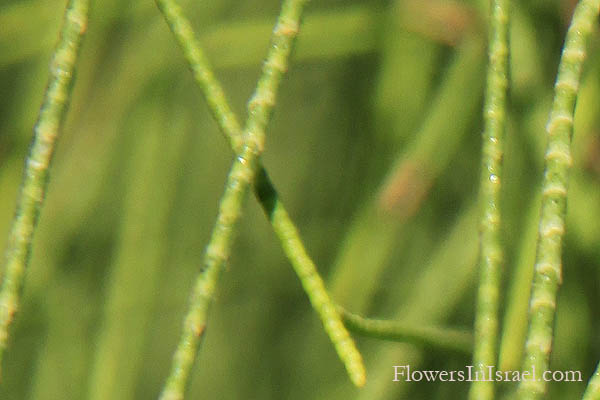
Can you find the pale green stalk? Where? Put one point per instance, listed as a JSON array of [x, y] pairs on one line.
[[35, 175], [203, 74], [243, 173], [264, 189], [311, 281], [490, 258], [548, 265], [398, 331]]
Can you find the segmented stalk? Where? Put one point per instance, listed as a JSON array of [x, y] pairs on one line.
[[490, 249], [35, 175], [243, 173], [548, 264], [398, 331]]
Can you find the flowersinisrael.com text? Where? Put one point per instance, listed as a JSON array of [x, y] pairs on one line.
[[403, 373]]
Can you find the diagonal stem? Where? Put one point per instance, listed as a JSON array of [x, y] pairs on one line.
[[247, 169], [35, 175]]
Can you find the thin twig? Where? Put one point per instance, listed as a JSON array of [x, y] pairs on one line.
[[490, 260], [263, 188], [259, 108], [548, 264], [35, 176], [397, 331]]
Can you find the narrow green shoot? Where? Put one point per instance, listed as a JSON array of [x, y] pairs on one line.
[[431, 337], [548, 264], [203, 74], [35, 175], [263, 188], [311, 280], [242, 174], [490, 249]]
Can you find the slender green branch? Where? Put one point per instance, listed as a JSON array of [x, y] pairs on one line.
[[35, 176], [215, 256], [438, 338], [203, 74], [311, 280], [548, 265], [490, 262], [264, 189], [243, 173]]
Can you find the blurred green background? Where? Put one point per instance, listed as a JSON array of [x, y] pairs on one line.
[[374, 148]]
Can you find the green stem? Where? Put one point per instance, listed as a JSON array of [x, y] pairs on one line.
[[203, 74], [311, 280], [35, 176], [264, 190], [548, 265], [243, 172], [215, 256], [443, 339], [490, 263]]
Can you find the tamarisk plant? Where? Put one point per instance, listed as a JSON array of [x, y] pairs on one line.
[[247, 143]]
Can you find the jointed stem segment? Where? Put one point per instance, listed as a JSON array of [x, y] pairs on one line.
[[490, 261], [35, 176], [397, 331], [246, 170], [547, 275]]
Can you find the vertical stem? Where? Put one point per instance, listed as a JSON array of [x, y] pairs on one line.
[[35, 176], [490, 263], [548, 265]]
